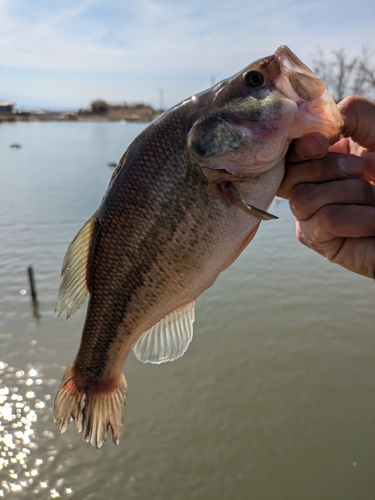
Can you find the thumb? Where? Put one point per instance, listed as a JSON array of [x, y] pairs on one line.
[[359, 117]]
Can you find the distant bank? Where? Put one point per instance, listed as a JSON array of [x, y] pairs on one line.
[[99, 111]]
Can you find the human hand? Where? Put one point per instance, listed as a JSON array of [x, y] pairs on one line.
[[333, 195]]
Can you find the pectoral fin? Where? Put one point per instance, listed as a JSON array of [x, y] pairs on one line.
[[73, 285], [235, 199], [169, 338]]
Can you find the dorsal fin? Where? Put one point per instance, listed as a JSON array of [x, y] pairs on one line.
[[169, 338], [73, 285]]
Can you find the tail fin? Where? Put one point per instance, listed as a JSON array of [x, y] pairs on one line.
[[92, 412]]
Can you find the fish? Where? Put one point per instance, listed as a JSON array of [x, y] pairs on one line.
[[186, 198]]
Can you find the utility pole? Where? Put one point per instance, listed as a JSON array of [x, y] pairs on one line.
[[161, 96]]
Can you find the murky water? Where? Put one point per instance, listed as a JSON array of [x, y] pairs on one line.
[[274, 399]]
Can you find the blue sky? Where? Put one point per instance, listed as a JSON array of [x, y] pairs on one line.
[[62, 54]]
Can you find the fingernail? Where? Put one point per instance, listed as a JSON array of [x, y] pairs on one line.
[[352, 165]]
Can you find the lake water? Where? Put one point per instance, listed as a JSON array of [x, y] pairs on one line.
[[274, 399]]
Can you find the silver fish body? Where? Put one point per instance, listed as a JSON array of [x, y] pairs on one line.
[[185, 200]]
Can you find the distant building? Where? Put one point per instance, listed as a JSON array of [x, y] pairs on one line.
[[99, 107], [6, 107]]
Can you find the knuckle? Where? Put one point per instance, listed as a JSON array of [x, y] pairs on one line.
[[327, 217], [362, 190], [300, 195], [301, 236], [308, 233]]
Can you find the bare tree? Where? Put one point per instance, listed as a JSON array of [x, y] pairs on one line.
[[345, 75]]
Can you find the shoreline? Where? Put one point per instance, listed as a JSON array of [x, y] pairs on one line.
[[32, 117]]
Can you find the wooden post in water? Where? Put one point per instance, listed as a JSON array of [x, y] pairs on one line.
[[34, 294]]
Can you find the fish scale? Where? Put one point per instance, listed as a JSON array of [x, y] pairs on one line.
[[149, 245], [187, 197]]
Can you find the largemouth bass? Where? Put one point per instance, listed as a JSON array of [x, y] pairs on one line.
[[186, 198]]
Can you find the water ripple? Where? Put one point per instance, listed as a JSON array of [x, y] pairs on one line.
[[21, 465]]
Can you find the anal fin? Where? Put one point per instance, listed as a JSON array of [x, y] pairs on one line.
[[168, 339]]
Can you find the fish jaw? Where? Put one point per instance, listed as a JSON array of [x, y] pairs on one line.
[[317, 110]]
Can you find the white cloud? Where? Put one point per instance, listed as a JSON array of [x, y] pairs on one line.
[[114, 48], [166, 36]]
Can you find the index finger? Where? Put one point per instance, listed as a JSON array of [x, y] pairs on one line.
[[333, 166]]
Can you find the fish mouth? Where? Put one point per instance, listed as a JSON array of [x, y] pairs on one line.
[[316, 107], [287, 58]]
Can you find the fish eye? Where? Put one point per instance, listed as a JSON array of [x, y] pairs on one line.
[[254, 79]]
